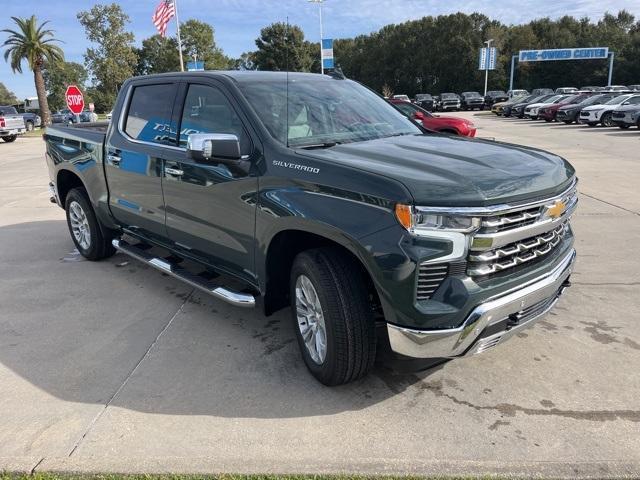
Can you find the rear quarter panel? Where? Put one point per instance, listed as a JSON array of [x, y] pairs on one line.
[[80, 152]]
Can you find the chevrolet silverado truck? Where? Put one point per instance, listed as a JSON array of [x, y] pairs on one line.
[[269, 190]]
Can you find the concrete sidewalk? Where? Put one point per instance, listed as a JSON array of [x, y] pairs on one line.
[[112, 366]]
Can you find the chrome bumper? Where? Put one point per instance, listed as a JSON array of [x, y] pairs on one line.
[[481, 330]]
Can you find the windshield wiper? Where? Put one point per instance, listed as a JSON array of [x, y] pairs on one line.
[[312, 146]]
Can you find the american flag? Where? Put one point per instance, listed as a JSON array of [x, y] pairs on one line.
[[165, 11]]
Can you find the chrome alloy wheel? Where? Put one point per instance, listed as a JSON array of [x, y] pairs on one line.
[[79, 225], [311, 319]]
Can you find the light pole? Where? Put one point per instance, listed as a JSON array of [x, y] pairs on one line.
[[486, 72], [319, 2]]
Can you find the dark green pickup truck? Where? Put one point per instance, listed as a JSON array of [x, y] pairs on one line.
[[274, 189]]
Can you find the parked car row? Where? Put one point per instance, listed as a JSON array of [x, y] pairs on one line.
[[67, 117], [606, 107], [471, 100]]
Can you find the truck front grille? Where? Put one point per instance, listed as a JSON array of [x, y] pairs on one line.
[[517, 253], [514, 236]]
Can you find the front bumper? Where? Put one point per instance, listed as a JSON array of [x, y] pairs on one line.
[[489, 323], [591, 116]]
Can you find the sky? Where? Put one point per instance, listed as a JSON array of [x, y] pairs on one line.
[[237, 23]]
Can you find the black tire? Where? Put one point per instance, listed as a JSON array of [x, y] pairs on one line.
[[568, 122], [348, 317], [606, 120], [29, 125], [623, 126], [592, 124], [10, 138], [99, 244]]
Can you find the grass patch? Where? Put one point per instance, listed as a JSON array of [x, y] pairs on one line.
[[33, 133], [70, 476]]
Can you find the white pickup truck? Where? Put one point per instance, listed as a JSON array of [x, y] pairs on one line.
[[11, 125]]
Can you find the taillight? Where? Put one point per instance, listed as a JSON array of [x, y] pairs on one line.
[[2, 124]]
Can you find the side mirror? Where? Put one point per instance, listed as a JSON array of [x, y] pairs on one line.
[[218, 146]]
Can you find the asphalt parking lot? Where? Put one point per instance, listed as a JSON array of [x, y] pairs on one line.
[[112, 366]]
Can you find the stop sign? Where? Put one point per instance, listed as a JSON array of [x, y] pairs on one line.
[[75, 100]]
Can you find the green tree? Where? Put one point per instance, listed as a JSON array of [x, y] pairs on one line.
[[35, 44], [245, 62], [198, 39], [282, 47], [7, 97], [112, 59], [158, 55], [60, 75]]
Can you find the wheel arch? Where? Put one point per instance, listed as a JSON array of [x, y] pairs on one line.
[[281, 252], [65, 181]]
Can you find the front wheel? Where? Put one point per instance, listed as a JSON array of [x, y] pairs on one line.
[[29, 126], [88, 237], [332, 316], [623, 126], [606, 120], [10, 138], [568, 122]]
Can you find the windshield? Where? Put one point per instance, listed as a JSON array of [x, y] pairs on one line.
[[593, 100], [471, 94], [448, 95], [617, 100], [322, 111], [423, 96], [409, 109]]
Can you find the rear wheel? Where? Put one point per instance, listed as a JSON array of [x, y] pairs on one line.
[[10, 138], [332, 316], [93, 242]]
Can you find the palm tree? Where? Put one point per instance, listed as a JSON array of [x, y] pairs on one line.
[[33, 43]]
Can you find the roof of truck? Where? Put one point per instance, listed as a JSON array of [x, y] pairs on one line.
[[245, 75]]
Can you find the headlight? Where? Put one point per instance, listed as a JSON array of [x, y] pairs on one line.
[[420, 220]]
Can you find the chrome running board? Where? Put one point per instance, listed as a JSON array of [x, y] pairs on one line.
[[239, 299]]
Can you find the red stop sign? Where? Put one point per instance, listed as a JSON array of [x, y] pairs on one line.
[[75, 100]]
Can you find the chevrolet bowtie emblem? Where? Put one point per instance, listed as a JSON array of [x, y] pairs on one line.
[[557, 209]]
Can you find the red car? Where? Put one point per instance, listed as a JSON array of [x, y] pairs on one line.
[[548, 113], [437, 123]]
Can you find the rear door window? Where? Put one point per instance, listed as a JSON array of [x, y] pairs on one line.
[[149, 114]]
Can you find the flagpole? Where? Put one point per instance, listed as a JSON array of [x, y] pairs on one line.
[[175, 3]]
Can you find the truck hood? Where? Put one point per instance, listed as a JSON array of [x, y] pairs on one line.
[[442, 170]]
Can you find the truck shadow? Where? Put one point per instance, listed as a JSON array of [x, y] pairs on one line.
[[82, 331]]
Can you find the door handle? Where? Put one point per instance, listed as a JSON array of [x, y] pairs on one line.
[[173, 171], [114, 159]]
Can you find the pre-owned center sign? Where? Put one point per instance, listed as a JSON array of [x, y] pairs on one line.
[[563, 54]]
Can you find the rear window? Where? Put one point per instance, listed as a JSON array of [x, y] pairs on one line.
[[8, 111], [149, 114]]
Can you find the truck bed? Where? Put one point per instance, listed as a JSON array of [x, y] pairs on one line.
[[89, 132]]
